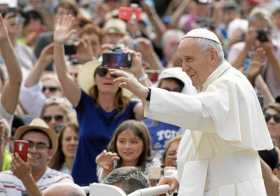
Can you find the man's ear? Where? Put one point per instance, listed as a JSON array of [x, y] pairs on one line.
[[50, 153]]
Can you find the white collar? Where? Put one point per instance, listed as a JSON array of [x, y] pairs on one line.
[[224, 66]]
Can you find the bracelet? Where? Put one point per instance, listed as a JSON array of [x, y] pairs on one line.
[[143, 77], [148, 98]]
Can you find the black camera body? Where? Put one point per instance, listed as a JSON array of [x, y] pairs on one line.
[[262, 35], [116, 58], [70, 49]]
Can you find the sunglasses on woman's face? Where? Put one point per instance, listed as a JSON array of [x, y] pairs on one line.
[[52, 89], [57, 118], [102, 71], [276, 117]]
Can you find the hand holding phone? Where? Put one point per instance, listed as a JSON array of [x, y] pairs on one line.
[[21, 148], [116, 60]]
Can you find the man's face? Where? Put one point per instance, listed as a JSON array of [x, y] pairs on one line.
[[39, 149], [196, 62], [51, 88]]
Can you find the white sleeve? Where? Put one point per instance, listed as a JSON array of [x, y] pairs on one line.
[[32, 99], [183, 110]]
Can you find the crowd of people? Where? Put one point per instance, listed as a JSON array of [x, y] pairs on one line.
[[110, 91]]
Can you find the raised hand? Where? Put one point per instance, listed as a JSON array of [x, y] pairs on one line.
[[20, 169], [106, 160], [3, 30], [46, 55], [63, 28]]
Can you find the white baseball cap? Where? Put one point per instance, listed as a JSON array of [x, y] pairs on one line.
[[202, 33]]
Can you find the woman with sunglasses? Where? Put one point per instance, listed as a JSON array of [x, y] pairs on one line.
[[272, 117], [56, 113], [270, 158], [99, 113]]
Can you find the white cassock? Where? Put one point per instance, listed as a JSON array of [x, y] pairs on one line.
[[219, 156]]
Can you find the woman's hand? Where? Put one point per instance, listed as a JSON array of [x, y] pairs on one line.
[[63, 28], [106, 160]]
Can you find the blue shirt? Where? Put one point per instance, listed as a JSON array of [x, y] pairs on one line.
[[96, 129], [161, 133]]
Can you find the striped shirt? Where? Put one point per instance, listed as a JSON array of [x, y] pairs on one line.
[[10, 185]]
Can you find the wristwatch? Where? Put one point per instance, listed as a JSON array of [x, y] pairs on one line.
[[148, 98]]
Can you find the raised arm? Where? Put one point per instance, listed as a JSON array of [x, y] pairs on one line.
[[63, 30], [10, 94], [44, 60]]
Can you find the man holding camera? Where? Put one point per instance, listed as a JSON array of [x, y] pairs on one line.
[[258, 37], [225, 118]]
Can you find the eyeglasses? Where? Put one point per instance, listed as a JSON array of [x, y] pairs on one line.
[[276, 117], [38, 146], [52, 89], [57, 118], [101, 71]]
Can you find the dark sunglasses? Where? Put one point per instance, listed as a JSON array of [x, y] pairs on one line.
[[57, 118], [102, 72], [276, 117], [52, 89]]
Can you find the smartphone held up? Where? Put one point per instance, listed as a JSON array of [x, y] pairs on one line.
[[21, 147], [116, 59]]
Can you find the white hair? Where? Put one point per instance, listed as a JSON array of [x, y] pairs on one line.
[[171, 33], [205, 44]]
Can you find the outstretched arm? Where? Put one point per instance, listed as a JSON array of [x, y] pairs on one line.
[[10, 94], [63, 30]]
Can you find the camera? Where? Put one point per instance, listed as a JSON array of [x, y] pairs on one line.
[[262, 35], [70, 49], [116, 58]]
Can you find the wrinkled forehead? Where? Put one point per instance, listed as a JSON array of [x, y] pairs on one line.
[[187, 45]]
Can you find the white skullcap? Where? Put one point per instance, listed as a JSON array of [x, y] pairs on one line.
[[202, 33]]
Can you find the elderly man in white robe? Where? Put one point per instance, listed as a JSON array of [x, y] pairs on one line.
[[219, 157]]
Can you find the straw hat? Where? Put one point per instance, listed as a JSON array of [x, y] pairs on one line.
[[85, 75], [86, 79], [38, 123]]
